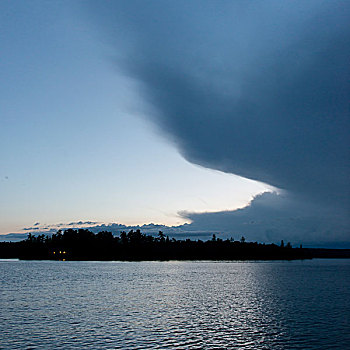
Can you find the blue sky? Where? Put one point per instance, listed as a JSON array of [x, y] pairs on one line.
[[75, 140], [177, 112]]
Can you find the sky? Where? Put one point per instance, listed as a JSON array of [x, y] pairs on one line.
[[75, 142], [230, 116]]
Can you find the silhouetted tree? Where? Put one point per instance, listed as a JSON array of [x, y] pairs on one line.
[[123, 237], [83, 244], [161, 236]]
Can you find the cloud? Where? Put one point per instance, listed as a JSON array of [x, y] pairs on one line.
[[258, 89], [271, 217], [79, 223]]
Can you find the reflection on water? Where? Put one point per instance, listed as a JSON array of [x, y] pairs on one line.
[[175, 305]]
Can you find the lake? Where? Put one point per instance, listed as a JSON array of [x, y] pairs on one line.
[[175, 305]]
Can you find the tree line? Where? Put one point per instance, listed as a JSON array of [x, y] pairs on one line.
[[82, 244]]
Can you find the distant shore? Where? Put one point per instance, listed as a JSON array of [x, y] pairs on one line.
[[83, 244]]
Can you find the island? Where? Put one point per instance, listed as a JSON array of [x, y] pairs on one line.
[[82, 244]]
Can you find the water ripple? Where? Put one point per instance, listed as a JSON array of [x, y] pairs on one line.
[[177, 305]]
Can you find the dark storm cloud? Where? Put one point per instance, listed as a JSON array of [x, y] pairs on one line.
[[271, 217], [258, 89]]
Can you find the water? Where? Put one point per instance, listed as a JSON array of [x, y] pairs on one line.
[[175, 305]]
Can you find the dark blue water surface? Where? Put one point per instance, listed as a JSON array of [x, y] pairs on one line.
[[175, 305]]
